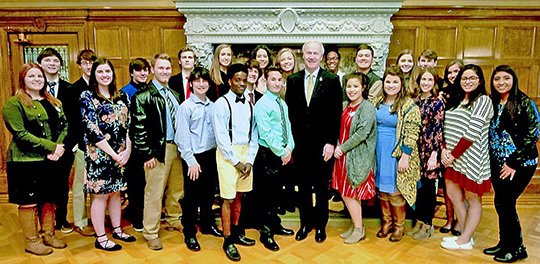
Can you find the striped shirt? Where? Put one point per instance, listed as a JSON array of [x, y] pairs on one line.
[[471, 123]]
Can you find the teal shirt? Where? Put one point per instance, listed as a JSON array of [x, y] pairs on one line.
[[268, 119]]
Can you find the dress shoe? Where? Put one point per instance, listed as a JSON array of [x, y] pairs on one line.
[[231, 251], [514, 256], [240, 239], [120, 235], [269, 242], [282, 231], [107, 244], [192, 244], [302, 233], [154, 244], [86, 231], [492, 251], [212, 230], [453, 245], [320, 235]]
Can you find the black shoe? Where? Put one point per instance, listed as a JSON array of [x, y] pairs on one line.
[[282, 231], [269, 242], [231, 251], [492, 250], [509, 257], [123, 236], [212, 230], [302, 233], [98, 245], [320, 235], [243, 240], [192, 244]]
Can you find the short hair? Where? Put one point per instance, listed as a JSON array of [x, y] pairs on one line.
[[364, 46], [48, 52], [186, 49], [237, 67], [200, 73], [138, 64], [432, 71], [272, 69], [316, 42], [160, 56], [86, 54], [254, 64], [428, 54], [332, 49], [364, 80]]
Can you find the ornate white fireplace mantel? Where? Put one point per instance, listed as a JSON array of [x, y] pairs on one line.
[[288, 22]]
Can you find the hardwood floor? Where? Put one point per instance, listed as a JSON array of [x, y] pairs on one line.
[[372, 250]]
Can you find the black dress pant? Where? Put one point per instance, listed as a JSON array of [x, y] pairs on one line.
[[136, 182], [506, 194], [267, 184], [199, 194], [64, 171], [426, 200]]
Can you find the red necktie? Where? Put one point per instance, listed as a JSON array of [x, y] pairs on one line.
[[188, 91]]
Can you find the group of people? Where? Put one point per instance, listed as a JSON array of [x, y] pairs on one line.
[[267, 137]]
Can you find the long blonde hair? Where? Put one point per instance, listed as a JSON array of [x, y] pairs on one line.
[[215, 72]]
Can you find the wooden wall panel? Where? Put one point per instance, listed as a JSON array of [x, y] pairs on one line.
[[517, 43], [401, 39], [143, 42], [109, 42], [479, 42], [443, 40], [173, 38]]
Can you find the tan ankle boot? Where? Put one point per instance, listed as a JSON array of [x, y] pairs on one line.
[[398, 213], [424, 233], [358, 234], [417, 226], [48, 212], [386, 216], [29, 224]]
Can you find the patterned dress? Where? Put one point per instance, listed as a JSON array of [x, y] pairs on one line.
[[103, 119], [340, 181], [430, 138]]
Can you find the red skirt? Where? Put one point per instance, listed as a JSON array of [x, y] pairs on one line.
[[466, 183]]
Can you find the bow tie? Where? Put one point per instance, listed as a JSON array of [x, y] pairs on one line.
[[240, 99]]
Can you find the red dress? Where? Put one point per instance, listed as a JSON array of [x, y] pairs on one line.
[[340, 181]]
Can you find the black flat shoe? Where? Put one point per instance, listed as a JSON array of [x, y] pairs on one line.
[[232, 252], [492, 250], [320, 235], [212, 230], [512, 256], [302, 233], [98, 245], [455, 232], [269, 243], [192, 244], [122, 236], [445, 230], [282, 231]]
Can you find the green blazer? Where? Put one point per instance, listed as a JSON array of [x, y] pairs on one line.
[[360, 146], [30, 129]]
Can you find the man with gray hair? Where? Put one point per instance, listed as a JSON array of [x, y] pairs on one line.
[[314, 98]]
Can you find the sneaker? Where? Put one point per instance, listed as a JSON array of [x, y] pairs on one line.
[[452, 245], [65, 227], [137, 228], [86, 231]]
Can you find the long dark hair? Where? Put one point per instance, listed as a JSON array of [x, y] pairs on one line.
[[113, 92], [513, 95], [480, 90]]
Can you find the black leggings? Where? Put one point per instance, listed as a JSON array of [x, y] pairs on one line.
[[426, 199]]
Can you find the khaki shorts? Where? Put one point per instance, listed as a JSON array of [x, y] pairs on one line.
[[230, 181]]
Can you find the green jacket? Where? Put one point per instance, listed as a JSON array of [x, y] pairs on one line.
[[360, 146], [30, 129]]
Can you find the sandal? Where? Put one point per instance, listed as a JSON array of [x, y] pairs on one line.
[[109, 246], [122, 236]]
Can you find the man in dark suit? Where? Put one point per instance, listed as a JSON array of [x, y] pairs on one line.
[[179, 83], [51, 62], [314, 98]]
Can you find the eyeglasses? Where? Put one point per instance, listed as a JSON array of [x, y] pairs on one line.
[[471, 79]]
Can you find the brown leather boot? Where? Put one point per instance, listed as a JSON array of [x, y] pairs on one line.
[[398, 213], [48, 212], [29, 224], [386, 221]]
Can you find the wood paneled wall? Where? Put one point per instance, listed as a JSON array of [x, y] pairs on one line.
[[484, 36], [118, 34]]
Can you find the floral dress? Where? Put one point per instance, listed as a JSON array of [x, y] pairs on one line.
[[103, 119], [430, 138]]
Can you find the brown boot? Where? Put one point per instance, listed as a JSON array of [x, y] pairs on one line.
[[398, 213], [29, 224], [48, 212], [386, 221], [417, 226]]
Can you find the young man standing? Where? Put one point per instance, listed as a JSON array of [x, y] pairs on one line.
[[364, 61], [275, 147], [80, 219], [197, 144], [153, 111], [428, 58], [236, 137], [179, 82], [51, 62]]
